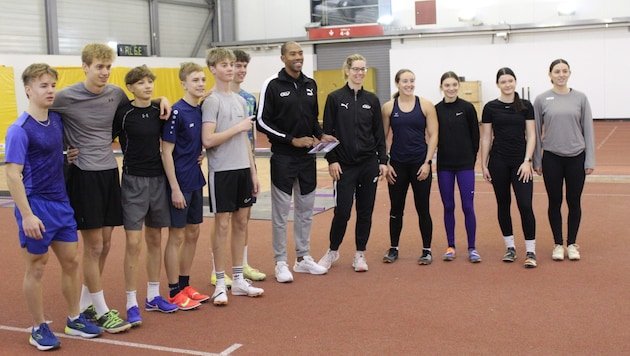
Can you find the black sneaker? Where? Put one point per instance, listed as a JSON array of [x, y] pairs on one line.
[[391, 255], [530, 260], [510, 255], [426, 258]]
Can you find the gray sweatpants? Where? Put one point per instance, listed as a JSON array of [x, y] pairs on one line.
[[303, 218]]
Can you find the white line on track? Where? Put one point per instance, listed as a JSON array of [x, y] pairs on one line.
[[607, 137], [227, 351]]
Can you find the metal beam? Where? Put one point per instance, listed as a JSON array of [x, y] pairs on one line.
[[202, 34], [185, 3], [154, 27], [52, 27]]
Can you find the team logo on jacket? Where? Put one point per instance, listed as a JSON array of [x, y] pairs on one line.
[[345, 105], [309, 91], [366, 106], [285, 93]]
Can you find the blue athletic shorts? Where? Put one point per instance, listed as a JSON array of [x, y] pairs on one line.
[[58, 219], [192, 213]]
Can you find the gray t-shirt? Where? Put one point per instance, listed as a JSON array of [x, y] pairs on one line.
[[226, 110], [564, 126], [87, 120]]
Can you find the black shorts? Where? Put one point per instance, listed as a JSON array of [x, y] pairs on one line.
[[95, 197], [229, 191]]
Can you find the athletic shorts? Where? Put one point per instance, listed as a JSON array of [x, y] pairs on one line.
[[58, 219], [95, 197], [144, 199], [229, 191], [192, 213]]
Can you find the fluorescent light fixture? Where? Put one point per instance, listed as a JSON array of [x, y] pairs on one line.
[[566, 9], [466, 15]]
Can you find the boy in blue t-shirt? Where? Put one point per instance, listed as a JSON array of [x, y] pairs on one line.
[[34, 168], [181, 150]]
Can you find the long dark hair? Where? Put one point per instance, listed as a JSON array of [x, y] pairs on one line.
[[558, 61], [518, 102], [447, 75]]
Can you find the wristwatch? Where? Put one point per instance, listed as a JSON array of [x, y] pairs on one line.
[[527, 159], [429, 162]]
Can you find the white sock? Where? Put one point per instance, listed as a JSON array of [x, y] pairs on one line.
[[86, 299], [153, 290], [98, 299], [220, 280], [131, 299], [509, 241], [530, 246], [245, 255], [237, 273]]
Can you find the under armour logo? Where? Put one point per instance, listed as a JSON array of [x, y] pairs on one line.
[[145, 116]]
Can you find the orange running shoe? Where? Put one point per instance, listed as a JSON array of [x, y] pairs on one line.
[[183, 302], [194, 294]]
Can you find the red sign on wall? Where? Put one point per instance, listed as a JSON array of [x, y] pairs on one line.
[[329, 32]]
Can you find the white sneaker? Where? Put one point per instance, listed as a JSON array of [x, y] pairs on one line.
[[327, 260], [572, 251], [558, 253], [242, 286], [219, 297], [360, 263], [308, 265], [283, 275]]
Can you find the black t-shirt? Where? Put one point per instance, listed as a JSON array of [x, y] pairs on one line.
[[139, 131], [508, 127]]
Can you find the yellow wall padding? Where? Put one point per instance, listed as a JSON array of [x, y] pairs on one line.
[[167, 83], [8, 105]]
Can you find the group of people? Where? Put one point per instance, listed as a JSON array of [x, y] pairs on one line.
[[162, 180]]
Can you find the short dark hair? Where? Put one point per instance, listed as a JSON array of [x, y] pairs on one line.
[[241, 56], [556, 62], [138, 73]]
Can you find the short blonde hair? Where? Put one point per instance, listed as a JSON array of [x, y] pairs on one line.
[[217, 54], [186, 68], [100, 51], [36, 70]]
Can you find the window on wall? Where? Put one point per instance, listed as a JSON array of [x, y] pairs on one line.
[[344, 12]]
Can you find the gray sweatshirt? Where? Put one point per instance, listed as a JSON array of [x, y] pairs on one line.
[[564, 126]]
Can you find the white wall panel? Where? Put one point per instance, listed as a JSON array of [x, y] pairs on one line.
[[180, 27], [23, 27], [85, 21]]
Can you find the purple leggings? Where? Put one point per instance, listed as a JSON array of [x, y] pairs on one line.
[[466, 184]]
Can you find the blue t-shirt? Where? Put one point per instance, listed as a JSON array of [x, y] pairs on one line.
[[251, 110], [408, 139], [39, 148], [183, 129]]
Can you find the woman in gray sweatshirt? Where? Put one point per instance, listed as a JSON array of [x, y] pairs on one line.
[[565, 152]]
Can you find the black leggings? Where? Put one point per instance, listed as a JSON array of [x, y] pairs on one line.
[[503, 175], [570, 171], [407, 174]]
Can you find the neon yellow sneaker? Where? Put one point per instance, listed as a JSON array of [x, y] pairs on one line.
[[253, 274], [228, 280]]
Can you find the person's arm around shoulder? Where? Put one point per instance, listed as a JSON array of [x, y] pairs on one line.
[[432, 130], [165, 107], [31, 224]]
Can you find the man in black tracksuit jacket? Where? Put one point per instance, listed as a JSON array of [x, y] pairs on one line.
[[353, 116], [288, 116]]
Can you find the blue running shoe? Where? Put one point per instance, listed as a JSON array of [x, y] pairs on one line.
[[159, 304], [82, 327], [43, 338], [133, 316], [473, 256]]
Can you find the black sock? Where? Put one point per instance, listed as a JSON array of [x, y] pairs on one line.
[[173, 289], [184, 282]]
